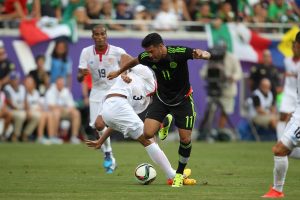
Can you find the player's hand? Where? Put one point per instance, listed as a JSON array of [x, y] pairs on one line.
[[85, 72], [93, 143], [126, 78], [113, 74], [199, 54]]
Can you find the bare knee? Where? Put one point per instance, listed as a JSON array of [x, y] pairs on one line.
[[148, 135], [280, 150], [99, 123], [144, 141], [185, 135], [151, 127]]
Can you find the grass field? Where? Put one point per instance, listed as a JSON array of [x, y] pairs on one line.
[[241, 171]]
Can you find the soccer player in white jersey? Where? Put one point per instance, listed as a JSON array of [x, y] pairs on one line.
[[286, 144], [100, 59], [122, 104], [289, 100]]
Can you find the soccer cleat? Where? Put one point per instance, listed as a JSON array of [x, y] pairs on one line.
[[169, 181], [187, 173], [273, 194], [186, 181], [107, 162], [109, 170], [189, 181], [164, 130], [178, 180]]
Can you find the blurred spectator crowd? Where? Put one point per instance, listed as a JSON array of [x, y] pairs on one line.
[[40, 107], [161, 15]]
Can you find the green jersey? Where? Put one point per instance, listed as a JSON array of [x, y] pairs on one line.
[[171, 73]]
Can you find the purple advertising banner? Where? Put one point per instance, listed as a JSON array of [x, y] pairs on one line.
[[133, 47]]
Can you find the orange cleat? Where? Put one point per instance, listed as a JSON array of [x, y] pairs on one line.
[[169, 181], [186, 181], [273, 194]]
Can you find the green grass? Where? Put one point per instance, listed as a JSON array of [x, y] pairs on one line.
[[233, 171]]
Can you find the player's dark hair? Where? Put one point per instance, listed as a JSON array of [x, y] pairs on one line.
[[98, 26], [298, 37], [152, 39]]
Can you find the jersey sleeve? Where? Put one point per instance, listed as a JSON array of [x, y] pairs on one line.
[[120, 53], [185, 52], [142, 57], [83, 60]]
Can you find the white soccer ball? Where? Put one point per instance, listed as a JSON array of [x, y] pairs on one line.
[[145, 173]]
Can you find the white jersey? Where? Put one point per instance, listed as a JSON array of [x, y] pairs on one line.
[[17, 97], [296, 114], [289, 99], [137, 91], [290, 83], [100, 66]]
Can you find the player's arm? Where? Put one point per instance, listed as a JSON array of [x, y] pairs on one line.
[[81, 74], [201, 54], [85, 93], [83, 68], [133, 62], [98, 143], [125, 58]]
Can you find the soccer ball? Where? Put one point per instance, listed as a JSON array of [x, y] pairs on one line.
[[145, 173]]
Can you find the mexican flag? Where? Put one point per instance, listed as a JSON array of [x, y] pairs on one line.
[[249, 45], [34, 31]]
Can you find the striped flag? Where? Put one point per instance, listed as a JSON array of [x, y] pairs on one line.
[[34, 31], [248, 45]]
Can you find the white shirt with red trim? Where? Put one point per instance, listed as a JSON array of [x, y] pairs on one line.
[[143, 84], [100, 65]]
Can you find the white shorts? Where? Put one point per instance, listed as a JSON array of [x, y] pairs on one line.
[[291, 135], [288, 103], [120, 116], [96, 102]]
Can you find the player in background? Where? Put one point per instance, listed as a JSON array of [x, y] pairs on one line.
[[98, 60], [174, 92], [122, 104], [289, 100], [287, 143]]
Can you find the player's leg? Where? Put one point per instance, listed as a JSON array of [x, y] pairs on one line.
[[154, 117], [287, 106], [96, 121], [157, 155], [184, 115], [281, 150], [120, 116], [279, 171], [283, 119]]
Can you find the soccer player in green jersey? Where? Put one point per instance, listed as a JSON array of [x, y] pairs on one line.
[[174, 92]]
